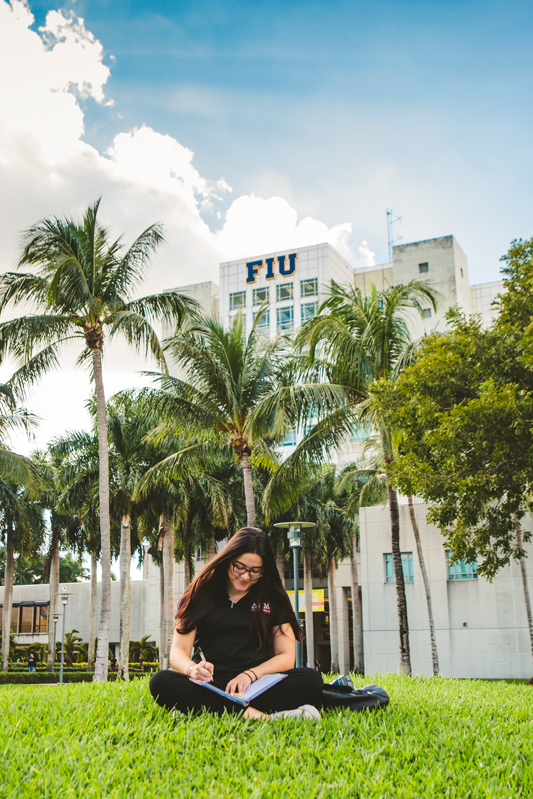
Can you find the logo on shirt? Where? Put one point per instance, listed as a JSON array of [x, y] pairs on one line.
[[265, 606]]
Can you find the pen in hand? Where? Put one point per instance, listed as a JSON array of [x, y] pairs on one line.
[[203, 663]]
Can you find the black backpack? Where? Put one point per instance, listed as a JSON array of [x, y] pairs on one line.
[[370, 697]]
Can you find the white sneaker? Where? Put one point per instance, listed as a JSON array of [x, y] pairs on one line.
[[302, 712]]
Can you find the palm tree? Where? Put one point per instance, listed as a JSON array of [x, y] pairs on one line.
[[77, 456], [359, 485], [324, 545], [82, 288], [142, 651], [127, 429], [237, 393], [13, 417], [72, 646], [359, 340], [64, 527], [183, 515], [22, 530]]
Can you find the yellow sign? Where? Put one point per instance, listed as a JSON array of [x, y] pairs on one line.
[[318, 600]]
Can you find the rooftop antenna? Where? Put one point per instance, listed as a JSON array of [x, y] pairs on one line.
[[391, 219]]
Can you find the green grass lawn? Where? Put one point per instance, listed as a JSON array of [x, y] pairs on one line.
[[438, 738]]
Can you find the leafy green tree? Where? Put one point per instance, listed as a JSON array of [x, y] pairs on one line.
[[466, 410], [467, 441], [358, 340], [32, 572], [82, 287]]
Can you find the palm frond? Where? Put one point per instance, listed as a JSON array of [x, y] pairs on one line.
[[129, 272]]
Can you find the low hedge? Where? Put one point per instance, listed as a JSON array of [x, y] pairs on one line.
[[77, 667], [12, 678]]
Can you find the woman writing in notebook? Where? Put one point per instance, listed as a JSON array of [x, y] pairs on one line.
[[237, 617]]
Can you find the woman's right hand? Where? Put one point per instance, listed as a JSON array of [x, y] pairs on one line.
[[201, 671]]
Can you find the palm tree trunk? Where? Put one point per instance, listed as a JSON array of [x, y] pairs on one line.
[[522, 562], [308, 604], [54, 599], [186, 572], [92, 613], [8, 601], [248, 490], [100, 672], [168, 594], [414, 524], [280, 562], [161, 611], [404, 664], [211, 547], [333, 618], [169, 586], [125, 596], [356, 612]]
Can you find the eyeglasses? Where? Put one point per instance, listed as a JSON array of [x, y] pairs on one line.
[[239, 569]]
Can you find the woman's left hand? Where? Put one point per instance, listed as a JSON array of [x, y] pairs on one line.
[[239, 684]]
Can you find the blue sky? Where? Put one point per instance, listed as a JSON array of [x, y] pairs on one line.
[[344, 109]]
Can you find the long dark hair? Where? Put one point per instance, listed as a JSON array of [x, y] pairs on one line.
[[203, 594]]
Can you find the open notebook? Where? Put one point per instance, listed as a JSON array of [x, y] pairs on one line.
[[255, 689]]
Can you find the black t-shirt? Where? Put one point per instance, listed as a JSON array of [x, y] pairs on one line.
[[227, 637]]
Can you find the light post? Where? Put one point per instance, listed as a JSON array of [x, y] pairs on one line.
[[64, 600], [295, 542], [56, 619]]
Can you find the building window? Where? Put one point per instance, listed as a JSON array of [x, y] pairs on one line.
[[461, 570], [15, 612], [426, 313], [284, 291], [263, 325], [290, 439], [407, 568], [237, 300], [26, 619], [422, 268], [309, 310], [309, 288], [41, 619], [259, 295], [285, 319]]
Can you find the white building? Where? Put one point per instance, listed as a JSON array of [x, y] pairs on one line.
[[481, 627]]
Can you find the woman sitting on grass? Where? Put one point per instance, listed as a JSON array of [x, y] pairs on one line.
[[238, 613]]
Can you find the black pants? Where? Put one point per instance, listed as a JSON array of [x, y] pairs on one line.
[[173, 690]]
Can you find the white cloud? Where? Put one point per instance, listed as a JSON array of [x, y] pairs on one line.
[[254, 225], [366, 256], [47, 169]]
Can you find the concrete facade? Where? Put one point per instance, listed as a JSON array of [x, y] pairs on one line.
[[481, 626], [284, 291]]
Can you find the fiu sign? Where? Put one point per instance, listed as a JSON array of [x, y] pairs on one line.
[[286, 267]]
